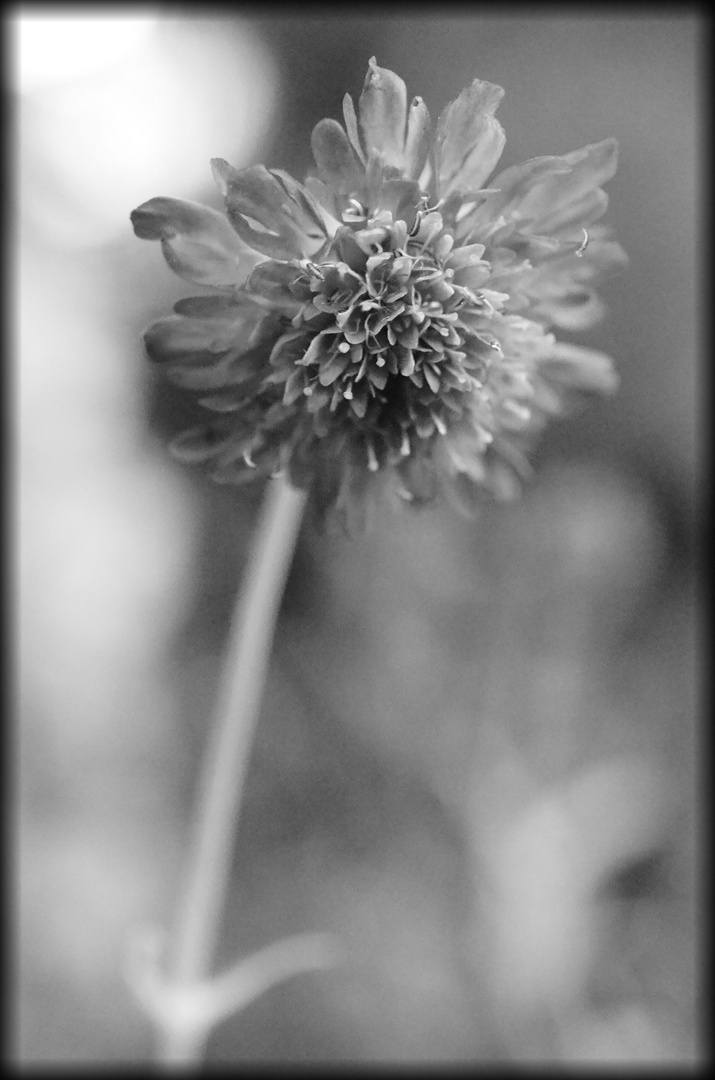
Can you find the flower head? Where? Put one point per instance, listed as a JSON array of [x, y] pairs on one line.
[[387, 327]]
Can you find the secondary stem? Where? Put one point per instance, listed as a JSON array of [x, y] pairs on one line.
[[227, 754]]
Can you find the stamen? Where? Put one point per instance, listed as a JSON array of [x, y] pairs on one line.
[[247, 458], [380, 362], [418, 222], [405, 447], [580, 252], [372, 462], [419, 317], [307, 390], [348, 393], [343, 347], [439, 423], [311, 268]]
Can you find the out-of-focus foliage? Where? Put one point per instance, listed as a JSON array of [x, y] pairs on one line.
[[477, 759]]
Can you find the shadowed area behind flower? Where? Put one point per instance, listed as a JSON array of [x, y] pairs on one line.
[[484, 752]]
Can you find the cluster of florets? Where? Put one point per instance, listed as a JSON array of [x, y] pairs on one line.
[[387, 337], [386, 327]]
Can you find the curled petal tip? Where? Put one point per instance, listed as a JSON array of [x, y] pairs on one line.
[[222, 172], [148, 220]]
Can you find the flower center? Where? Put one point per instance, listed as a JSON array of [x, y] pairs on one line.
[[390, 341]]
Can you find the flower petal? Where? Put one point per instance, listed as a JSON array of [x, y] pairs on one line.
[[383, 113], [175, 337], [237, 307], [551, 194], [335, 158], [294, 386], [216, 375], [333, 368], [572, 311], [204, 442], [508, 190], [401, 198], [231, 398], [417, 140], [596, 162], [469, 140], [559, 289], [419, 477], [198, 243], [579, 213], [580, 368], [271, 282], [271, 211], [323, 196], [351, 126], [553, 203]]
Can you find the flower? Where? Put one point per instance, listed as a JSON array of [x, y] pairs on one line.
[[387, 327]]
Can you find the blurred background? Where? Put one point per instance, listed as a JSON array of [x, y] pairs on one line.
[[478, 756]]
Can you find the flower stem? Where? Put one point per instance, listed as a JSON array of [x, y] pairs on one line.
[[226, 760]]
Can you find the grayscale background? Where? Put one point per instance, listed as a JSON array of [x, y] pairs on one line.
[[478, 759]]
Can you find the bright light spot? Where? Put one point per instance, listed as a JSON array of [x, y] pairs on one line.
[[51, 48], [95, 147]]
